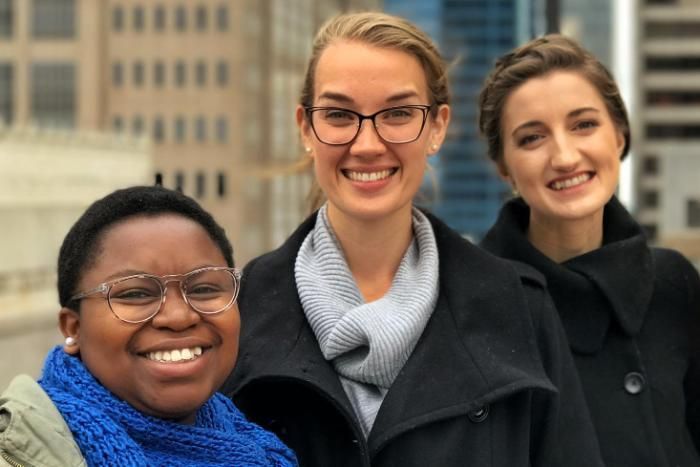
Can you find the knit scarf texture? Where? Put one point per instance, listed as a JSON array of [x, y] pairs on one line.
[[368, 343], [110, 432]]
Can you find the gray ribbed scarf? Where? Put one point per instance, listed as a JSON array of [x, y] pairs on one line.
[[368, 343]]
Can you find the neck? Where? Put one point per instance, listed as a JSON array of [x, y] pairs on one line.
[[561, 240], [373, 248]]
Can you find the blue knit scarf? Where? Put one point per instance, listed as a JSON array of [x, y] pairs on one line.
[[111, 432]]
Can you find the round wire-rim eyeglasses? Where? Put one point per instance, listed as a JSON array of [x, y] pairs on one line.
[[105, 289]]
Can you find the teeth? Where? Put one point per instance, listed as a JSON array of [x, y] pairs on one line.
[[175, 355], [368, 176], [571, 182]]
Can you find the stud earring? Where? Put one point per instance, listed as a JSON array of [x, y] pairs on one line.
[[307, 149], [434, 147], [70, 341], [515, 192]]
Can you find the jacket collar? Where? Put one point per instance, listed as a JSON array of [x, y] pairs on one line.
[[469, 368], [592, 290]]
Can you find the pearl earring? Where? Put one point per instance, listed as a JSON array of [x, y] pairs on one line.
[[308, 150], [70, 341], [434, 147]]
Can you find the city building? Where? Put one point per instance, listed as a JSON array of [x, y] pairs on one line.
[[213, 84], [467, 191], [667, 124]]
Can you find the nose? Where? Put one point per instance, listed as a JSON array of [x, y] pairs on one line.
[[175, 313], [367, 141], [565, 154]]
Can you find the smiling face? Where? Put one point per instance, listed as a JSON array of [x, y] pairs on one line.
[[369, 178], [561, 150], [122, 356]]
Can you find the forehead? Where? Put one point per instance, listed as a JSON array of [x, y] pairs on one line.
[[555, 93], [367, 73]]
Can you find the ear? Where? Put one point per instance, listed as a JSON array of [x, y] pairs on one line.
[[620, 140], [69, 324], [438, 128], [304, 128]]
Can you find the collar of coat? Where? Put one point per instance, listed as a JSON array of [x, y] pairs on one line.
[[478, 346], [613, 283]]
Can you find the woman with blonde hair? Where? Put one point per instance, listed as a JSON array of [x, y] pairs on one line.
[[557, 130], [375, 335]]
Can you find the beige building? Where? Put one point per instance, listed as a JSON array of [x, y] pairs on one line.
[[212, 83], [667, 129]]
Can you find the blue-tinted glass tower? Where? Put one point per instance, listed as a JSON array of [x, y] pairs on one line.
[[471, 34]]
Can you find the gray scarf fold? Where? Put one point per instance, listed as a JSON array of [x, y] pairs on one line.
[[368, 343]]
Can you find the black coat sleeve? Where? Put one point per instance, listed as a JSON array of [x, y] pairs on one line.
[[692, 379]]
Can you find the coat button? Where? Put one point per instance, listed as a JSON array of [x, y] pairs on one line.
[[478, 415], [634, 383]]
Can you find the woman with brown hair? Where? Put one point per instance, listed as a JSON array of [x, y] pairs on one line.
[[557, 130], [375, 335]]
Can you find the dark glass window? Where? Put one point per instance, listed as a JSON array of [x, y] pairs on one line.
[[53, 18], [222, 73], [200, 129], [222, 129], [650, 165], [201, 18], [137, 125], [138, 73], [53, 94], [159, 74], [673, 131], [117, 74], [138, 18], [222, 18], [221, 186], [117, 19], [158, 179], [678, 63], [693, 209], [158, 130], [179, 181], [159, 18], [180, 73], [181, 18], [6, 18], [650, 230], [6, 94], [180, 129], [671, 29], [117, 124], [201, 74], [663, 98], [650, 199], [200, 185]]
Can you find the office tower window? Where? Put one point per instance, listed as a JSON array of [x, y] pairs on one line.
[[673, 131], [222, 73], [669, 98], [117, 19], [650, 199], [222, 18], [117, 124], [650, 165], [6, 18], [137, 125], [201, 74], [53, 94], [6, 94], [673, 29], [200, 187], [159, 18], [53, 18], [221, 186], [158, 130], [181, 18], [180, 181], [138, 18], [180, 129], [159, 74], [180, 73], [138, 72], [222, 129], [200, 129], [117, 74], [201, 18], [674, 63], [693, 210]]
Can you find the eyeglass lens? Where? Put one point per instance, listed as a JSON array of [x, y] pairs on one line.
[[396, 125], [139, 298]]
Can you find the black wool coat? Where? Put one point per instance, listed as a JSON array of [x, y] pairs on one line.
[[489, 383], [632, 316]]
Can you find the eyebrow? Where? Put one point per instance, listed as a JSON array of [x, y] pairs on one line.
[[343, 98], [573, 113]]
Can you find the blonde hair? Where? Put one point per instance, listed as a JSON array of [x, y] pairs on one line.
[[537, 58], [384, 31]]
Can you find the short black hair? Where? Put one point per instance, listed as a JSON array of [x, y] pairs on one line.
[[80, 246]]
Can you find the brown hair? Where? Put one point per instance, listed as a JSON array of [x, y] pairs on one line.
[[384, 31], [537, 58]]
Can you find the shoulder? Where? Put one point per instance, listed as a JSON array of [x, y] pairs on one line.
[[30, 420]]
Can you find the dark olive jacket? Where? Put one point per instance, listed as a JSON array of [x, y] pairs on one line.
[[490, 382], [632, 317]]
